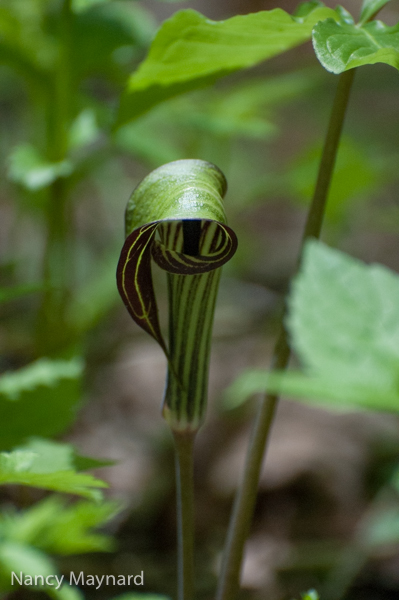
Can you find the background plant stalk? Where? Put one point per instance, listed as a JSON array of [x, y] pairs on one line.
[[184, 443], [244, 505]]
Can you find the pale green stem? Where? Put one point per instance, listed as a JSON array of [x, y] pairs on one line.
[[184, 445], [244, 505]]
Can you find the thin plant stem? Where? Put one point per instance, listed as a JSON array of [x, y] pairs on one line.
[[184, 446], [244, 505], [52, 330]]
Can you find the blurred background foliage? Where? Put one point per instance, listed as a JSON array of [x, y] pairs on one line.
[[77, 367]]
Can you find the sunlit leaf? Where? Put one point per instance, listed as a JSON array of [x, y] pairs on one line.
[[310, 595], [343, 46], [190, 51], [52, 455], [344, 324], [43, 372], [18, 467]]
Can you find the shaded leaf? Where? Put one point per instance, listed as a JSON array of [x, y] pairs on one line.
[[39, 400], [371, 8], [344, 325], [107, 38], [343, 46], [95, 297], [356, 177], [190, 51]]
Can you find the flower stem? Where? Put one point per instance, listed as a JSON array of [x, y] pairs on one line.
[[184, 445], [244, 505]]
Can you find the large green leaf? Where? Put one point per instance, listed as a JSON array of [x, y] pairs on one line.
[[20, 467], [344, 324], [39, 400], [343, 46], [190, 51], [181, 202]]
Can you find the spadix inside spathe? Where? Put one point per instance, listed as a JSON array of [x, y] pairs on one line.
[[175, 216]]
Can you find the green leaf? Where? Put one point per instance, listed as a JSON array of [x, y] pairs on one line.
[[343, 46], [181, 202], [40, 399], [20, 467], [107, 37], [33, 171], [344, 324], [190, 51], [58, 456], [370, 8], [43, 372], [16, 557], [57, 528]]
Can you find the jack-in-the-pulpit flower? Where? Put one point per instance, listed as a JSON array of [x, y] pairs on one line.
[[176, 217]]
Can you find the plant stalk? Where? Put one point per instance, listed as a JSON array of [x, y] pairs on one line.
[[52, 330], [240, 522], [184, 446]]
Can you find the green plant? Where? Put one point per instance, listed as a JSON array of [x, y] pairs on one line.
[[182, 202], [190, 51], [65, 66]]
